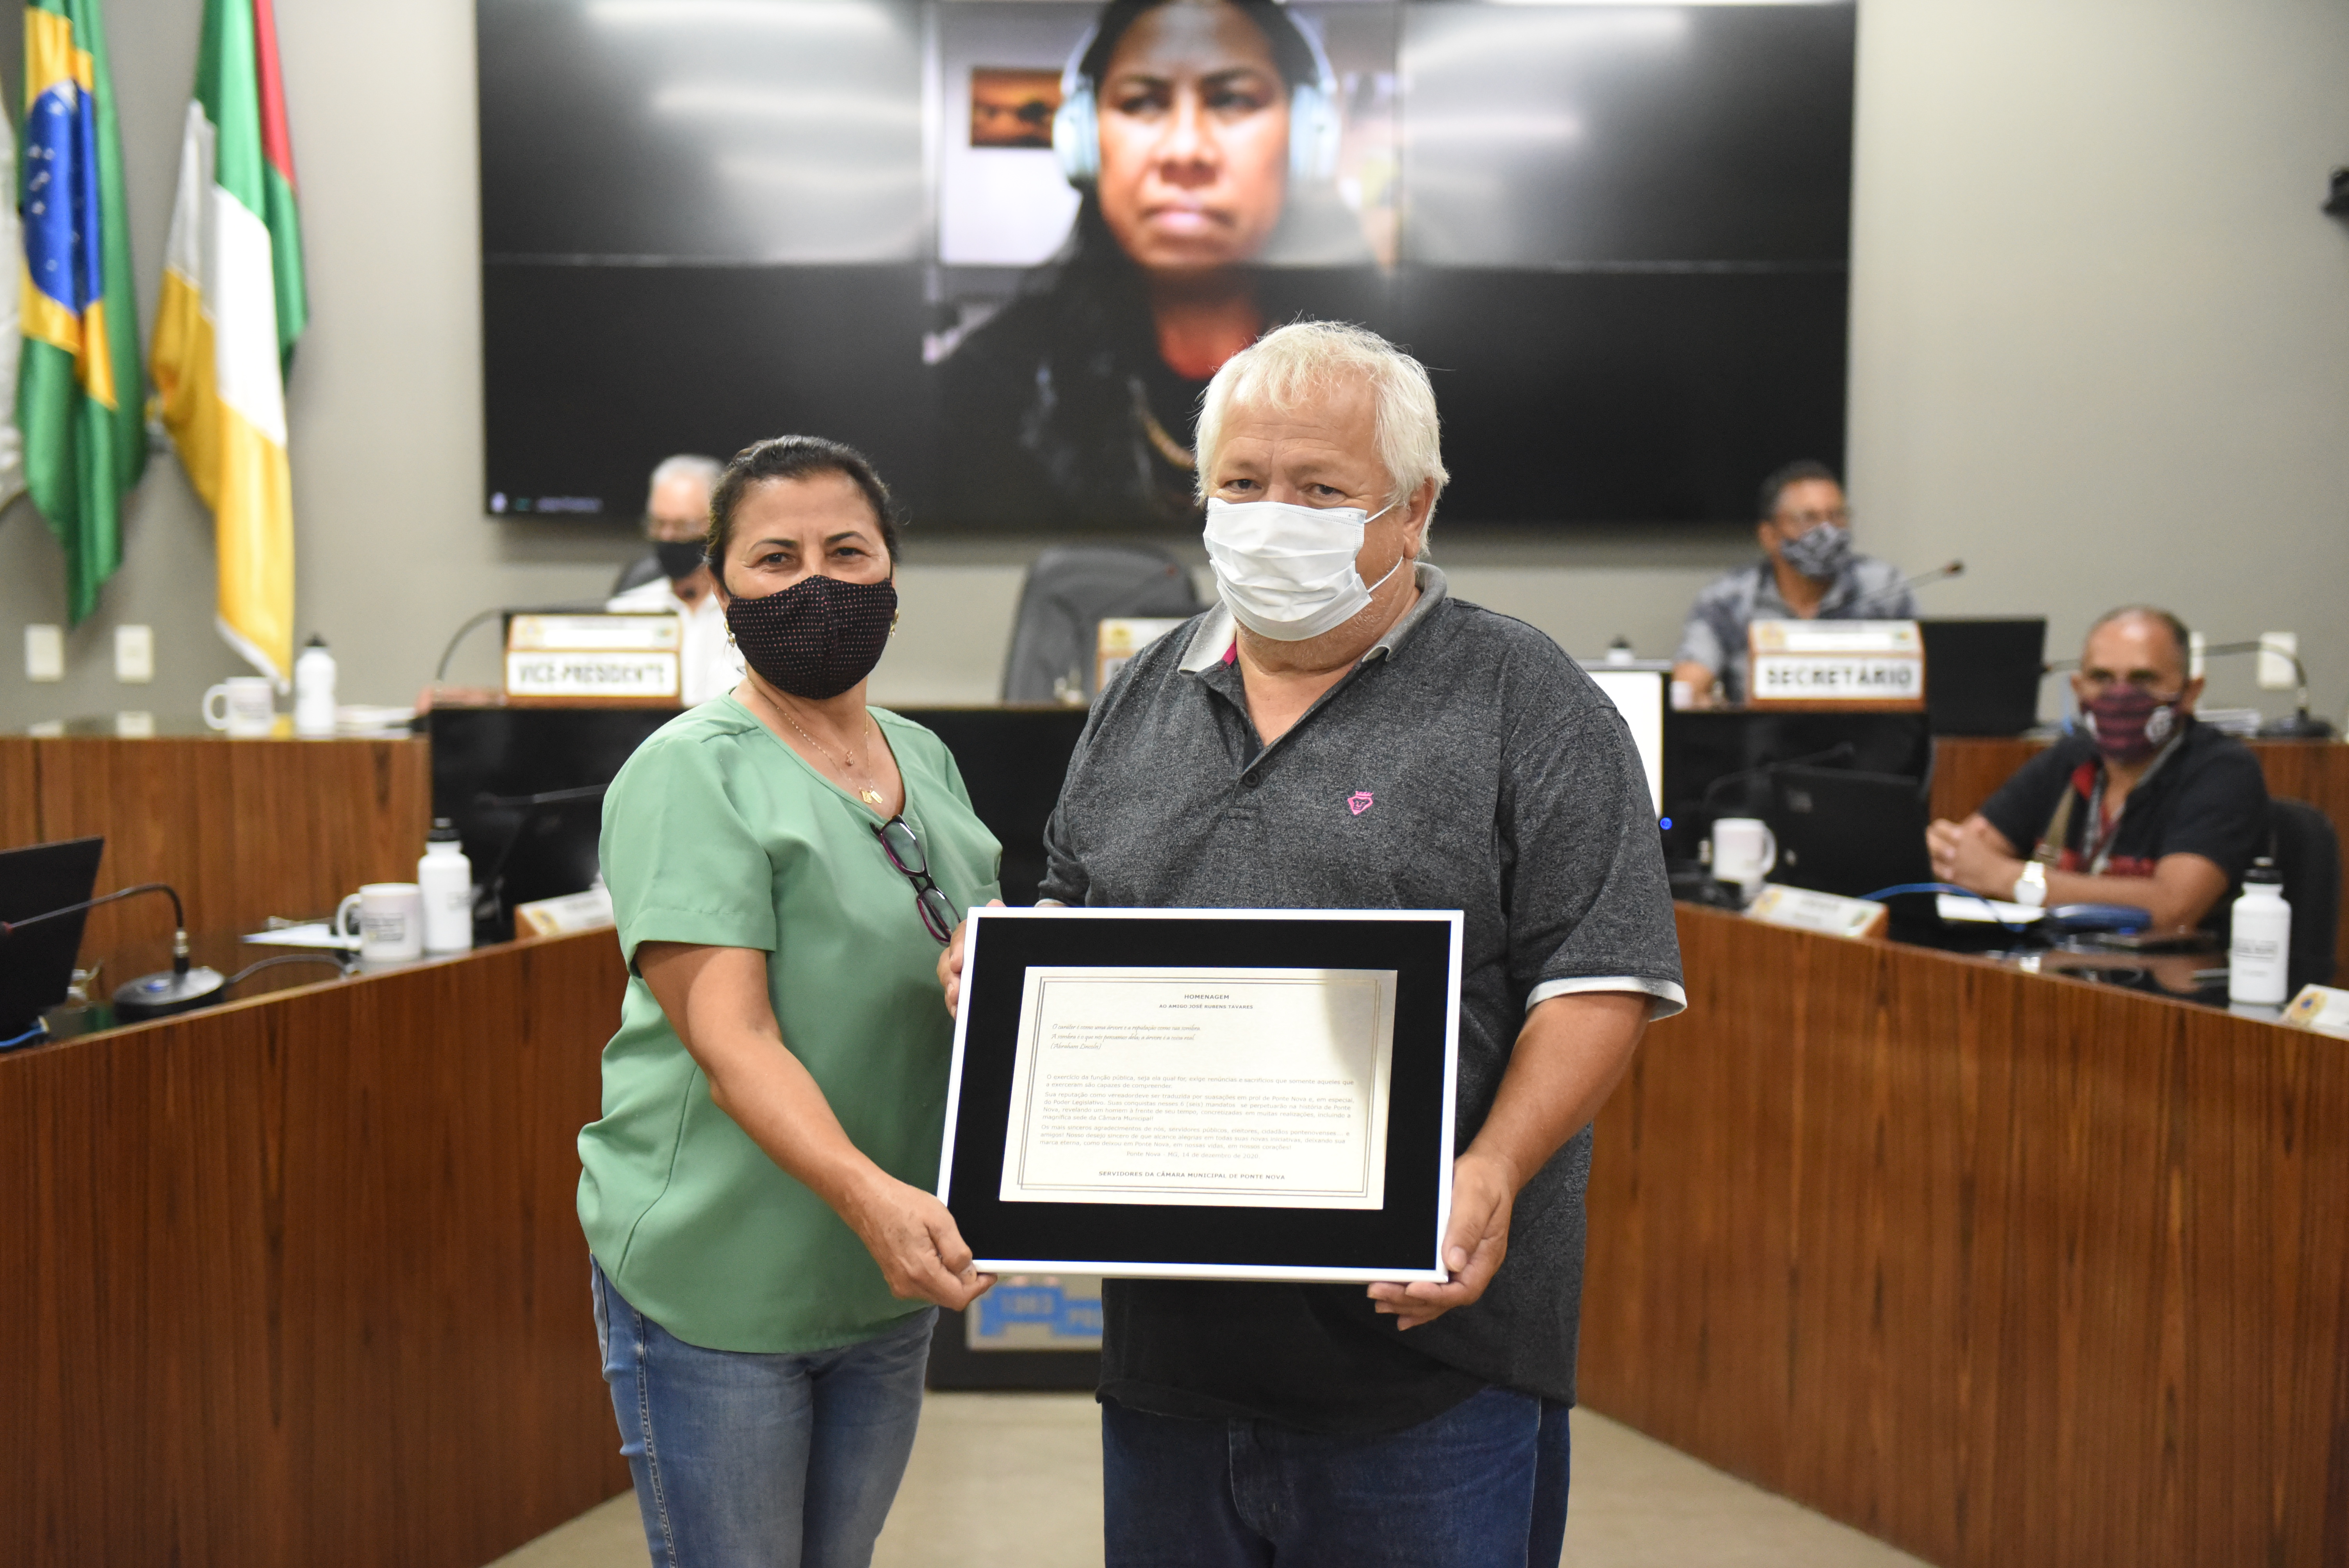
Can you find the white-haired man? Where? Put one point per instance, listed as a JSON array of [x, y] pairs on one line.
[[1340, 733], [675, 578]]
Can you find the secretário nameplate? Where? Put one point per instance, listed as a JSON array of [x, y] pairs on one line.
[[1840, 665]]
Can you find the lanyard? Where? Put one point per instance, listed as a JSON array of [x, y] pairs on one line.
[[2095, 842]]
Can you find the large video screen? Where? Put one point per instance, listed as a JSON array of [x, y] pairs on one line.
[[1001, 244]]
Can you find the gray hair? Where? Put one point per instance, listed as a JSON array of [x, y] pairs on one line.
[[686, 466], [1285, 366]]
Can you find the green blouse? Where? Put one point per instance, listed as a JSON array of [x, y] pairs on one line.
[[717, 833]]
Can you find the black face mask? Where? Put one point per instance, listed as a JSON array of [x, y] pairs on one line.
[[817, 637], [679, 558]]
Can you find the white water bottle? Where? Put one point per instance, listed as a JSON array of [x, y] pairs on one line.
[[314, 692], [2262, 938], [446, 877]]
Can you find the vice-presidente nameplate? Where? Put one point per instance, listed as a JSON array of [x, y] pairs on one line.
[[594, 659]]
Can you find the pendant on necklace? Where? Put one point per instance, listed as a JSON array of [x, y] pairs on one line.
[[870, 796]]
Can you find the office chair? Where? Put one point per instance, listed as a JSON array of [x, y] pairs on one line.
[[1069, 591], [2308, 852], [635, 574]]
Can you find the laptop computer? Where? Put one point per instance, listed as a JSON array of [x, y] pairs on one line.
[[36, 963], [1844, 832], [1981, 678]]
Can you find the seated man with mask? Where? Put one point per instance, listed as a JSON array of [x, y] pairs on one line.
[[1808, 571], [2142, 804], [1341, 733], [677, 516]]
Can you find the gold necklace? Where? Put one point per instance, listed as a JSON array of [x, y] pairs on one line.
[[869, 795]]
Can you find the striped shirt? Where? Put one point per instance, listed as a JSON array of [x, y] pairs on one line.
[[1865, 589]]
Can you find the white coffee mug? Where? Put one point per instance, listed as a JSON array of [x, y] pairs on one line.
[[1745, 851], [248, 707], [387, 918]]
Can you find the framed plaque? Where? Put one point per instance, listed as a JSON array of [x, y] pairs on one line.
[[1205, 1093]]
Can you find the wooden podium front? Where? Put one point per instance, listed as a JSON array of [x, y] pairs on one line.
[[2010, 1270], [297, 1280]]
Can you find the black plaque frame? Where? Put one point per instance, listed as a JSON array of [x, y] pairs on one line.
[[1402, 1241]]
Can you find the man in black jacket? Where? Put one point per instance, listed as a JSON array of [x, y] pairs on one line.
[[2142, 805]]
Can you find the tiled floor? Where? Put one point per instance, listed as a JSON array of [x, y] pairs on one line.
[[1000, 1479]]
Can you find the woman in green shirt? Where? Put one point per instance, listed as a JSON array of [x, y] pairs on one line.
[[786, 865]]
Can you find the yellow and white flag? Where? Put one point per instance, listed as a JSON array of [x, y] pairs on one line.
[[232, 304]]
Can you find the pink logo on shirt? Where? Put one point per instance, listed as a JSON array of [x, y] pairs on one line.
[[1359, 801]]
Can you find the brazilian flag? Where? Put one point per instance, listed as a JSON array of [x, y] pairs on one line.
[[78, 388]]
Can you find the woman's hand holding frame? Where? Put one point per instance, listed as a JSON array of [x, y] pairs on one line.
[[716, 1000]]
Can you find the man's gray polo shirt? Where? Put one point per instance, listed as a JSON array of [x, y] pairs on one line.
[[1865, 589], [1465, 763]]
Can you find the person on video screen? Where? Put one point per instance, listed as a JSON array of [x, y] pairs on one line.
[[1201, 133]]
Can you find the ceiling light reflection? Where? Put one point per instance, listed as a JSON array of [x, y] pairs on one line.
[[831, 175], [801, 18], [1489, 127], [714, 101]]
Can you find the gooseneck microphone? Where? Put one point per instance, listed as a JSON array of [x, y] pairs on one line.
[[1947, 569], [2302, 725], [156, 995], [1842, 751], [581, 607]]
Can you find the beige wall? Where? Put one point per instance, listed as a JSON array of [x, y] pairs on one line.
[[2100, 350], [2100, 330]]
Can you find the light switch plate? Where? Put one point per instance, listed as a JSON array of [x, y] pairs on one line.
[[45, 653], [2276, 673], [134, 654]]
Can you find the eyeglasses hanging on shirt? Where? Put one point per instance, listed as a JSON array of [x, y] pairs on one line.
[[903, 848]]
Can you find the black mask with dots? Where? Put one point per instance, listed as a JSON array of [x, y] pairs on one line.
[[817, 637]]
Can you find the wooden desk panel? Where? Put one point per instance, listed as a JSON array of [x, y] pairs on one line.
[[20, 793], [297, 1281], [243, 828], [2002, 1269], [1968, 770]]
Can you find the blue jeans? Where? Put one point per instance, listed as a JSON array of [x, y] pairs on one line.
[[744, 1461], [1481, 1486]]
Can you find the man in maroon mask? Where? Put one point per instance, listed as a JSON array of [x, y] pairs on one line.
[[2140, 805]]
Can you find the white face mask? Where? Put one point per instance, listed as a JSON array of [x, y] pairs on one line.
[[1287, 572]]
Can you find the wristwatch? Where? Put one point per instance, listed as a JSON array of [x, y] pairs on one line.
[[2031, 887]]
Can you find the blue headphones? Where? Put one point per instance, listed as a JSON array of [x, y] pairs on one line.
[[1313, 125]]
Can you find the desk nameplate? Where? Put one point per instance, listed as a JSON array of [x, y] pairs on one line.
[[1825, 914], [616, 659], [1841, 665], [2323, 1008]]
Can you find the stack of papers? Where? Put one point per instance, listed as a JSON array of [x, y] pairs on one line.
[[2243, 722], [316, 934], [372, 721]]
